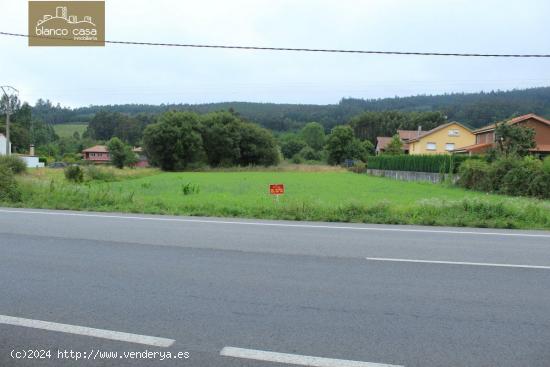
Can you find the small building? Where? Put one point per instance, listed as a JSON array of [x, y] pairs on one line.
[[98, 154], [445, 138], [142, 158], [3, 142], [31, 161], [485, 136]]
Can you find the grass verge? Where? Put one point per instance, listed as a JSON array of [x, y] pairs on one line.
[[314, 196]]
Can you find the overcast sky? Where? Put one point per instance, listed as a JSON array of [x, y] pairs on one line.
[[76, 76]]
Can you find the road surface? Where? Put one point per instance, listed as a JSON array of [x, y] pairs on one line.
[[232, 292]]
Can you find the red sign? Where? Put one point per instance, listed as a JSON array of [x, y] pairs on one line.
[[276, 189]]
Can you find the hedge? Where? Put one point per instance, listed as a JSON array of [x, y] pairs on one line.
[[439, 163]]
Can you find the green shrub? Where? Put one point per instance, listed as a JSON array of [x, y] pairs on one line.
[[309, 154], [189, 188], [9, 189], [499, 168], [546, 164], [438, 163], [539, 186], [518, 179], [71, 158], [74, 173], [297, 159], [358, 167], [14, 163], [473, 174]]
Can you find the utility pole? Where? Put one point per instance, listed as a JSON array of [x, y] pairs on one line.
[[13, 91]]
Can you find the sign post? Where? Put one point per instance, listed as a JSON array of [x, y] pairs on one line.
[[277, 189]]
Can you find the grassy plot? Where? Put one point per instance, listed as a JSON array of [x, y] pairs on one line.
[[68, 130], [323, 196]]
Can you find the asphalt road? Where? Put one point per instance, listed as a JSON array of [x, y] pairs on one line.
[[479, 297]]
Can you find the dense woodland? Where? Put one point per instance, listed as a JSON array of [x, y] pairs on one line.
[[330, 133], [474, 109]]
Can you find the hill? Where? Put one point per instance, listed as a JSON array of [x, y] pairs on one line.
[[474, 109]]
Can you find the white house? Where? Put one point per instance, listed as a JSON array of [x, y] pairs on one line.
[[3, 144], [31, 161]]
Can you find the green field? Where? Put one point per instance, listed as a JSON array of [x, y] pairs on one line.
[[322, 196], [67, 130]]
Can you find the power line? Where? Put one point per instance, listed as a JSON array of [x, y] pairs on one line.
[[291, 49]]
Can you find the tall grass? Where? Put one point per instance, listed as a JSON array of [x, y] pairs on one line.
[[464, 212]]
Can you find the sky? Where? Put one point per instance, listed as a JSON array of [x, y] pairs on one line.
[[114, 74]]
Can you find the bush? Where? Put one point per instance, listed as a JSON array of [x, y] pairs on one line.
[[9, 189], [309, 154], [546, 164], [358, 167], [189, 188], [473, 174], [518, 179], [499, 168], [291, 144], [74, 173], [71, 158], [539, 186], [14, 163], [297, 159]]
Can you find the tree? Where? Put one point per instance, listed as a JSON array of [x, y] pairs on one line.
[[127, 129], [221, 138], [175, 141], [338, 144], [119, 152], [371, 124], [102, 126], [106, 125], [369, 147], [314, 135], [291, 144], [395, 146], [514, 139], [257, 146]]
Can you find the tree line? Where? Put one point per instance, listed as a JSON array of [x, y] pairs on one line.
[[474, 109]]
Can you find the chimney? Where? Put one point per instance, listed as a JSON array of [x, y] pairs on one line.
[[31, 150], [419, 130]]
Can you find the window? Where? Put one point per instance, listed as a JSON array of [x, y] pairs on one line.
[[450, 146], [431, 146], [454, 132]]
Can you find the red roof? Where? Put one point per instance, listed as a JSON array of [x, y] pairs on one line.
[[410, 134], [383, 141], [474, 148], [96, 149], [541, 148], [515, 120]]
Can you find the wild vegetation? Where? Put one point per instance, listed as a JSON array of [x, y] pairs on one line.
[[182, 140], [321, 196], [474, 109]]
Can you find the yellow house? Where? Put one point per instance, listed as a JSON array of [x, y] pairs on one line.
[[443, 139]]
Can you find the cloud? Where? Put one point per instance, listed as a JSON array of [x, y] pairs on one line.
[[120, 74]]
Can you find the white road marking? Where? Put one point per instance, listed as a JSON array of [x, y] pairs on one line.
[[86, 331], [458, 263], [265, 224], [296, 359]]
